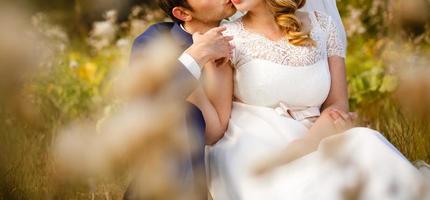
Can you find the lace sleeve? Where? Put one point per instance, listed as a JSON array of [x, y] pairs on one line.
[[335, 46], [233, 29]]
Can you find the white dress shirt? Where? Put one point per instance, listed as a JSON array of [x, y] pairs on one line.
[[190, 63]]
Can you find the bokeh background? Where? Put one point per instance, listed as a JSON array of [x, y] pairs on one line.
[[59, 65]]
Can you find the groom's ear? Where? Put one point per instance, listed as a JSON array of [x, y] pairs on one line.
[[182, 14]]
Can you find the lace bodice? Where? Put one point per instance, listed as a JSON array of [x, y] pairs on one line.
[[250, 45], [268, 72]]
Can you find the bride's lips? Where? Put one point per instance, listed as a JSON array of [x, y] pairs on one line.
[[236, 1]]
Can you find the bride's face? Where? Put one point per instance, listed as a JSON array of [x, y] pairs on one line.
[[247, 5]]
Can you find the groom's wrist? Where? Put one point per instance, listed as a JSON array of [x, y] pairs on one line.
[[199, 55], [190, 63]]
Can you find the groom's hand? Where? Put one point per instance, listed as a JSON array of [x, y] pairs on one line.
[[210, 46]]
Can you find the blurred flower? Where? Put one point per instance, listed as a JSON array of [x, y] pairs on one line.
[[412, 16], [88, 72], [136, 23], [414, 91], [24, 52], [53, 33], [410, 66], [122, 140], [137, 26], [353, 23], [376, 7], [111, 16], [149, 71], [136, 12], [73, 64], [105, 32]]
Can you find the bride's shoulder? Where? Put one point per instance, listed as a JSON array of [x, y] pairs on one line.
[[323, 19], [233, 27]]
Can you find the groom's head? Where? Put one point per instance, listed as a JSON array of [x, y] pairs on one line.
[[206, 11]]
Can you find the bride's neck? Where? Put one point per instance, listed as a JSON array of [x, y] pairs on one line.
[[261, 18]]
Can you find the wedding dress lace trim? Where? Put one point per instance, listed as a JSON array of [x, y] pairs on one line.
[[335, 46], [250, 45]]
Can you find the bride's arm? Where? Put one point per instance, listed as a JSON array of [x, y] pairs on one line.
[[214, 99], [218, 85], [338, 96], [213, 126], [337, 99], [324, 125], [322, 128]]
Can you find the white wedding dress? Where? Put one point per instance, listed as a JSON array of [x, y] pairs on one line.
[[279, 85]]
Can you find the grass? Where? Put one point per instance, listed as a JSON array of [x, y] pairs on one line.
[[28, 167], [410, 134]]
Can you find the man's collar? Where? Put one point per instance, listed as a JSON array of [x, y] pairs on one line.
[[181, 35]]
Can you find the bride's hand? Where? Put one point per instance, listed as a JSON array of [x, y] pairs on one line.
[[342, 120]]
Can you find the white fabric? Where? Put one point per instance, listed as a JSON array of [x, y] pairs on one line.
[[265, 68], [190, 63], [254, 45], [269, 73], [329, 7]]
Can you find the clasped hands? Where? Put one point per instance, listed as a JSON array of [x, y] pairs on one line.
[[342, 120]]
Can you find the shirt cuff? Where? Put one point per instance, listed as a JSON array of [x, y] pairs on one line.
[[191, 64]]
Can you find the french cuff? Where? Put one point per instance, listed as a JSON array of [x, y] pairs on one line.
[[188, 61]]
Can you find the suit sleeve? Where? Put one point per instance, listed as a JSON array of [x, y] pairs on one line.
[[184, 81]]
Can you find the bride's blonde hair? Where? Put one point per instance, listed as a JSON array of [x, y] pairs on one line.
[[286, 19]]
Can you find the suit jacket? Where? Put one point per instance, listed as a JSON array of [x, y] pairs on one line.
[[183, 76], [184, 83], [191, 168]]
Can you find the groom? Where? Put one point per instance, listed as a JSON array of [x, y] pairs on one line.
[[195, 27]]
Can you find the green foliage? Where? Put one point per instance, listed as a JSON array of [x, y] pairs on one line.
[[366, 75], [373, 82], [77, 85]]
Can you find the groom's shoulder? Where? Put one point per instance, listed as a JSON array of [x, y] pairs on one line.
[[158, 28], [153, 31]]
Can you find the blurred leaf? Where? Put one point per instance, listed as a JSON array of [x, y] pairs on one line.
[[389, 84]]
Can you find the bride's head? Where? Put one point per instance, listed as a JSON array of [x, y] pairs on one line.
[[284, 12]]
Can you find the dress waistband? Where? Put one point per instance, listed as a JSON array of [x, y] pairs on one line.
[[297, 113]]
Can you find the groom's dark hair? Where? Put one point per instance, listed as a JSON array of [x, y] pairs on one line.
[[168, 5]]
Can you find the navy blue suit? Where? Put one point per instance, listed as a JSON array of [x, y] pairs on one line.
[[180, 84]]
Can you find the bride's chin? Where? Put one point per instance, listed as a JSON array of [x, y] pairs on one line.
[[241, 10]]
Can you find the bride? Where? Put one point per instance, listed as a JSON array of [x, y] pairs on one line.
[[290, 96]]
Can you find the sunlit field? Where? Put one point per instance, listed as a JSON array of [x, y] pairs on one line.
[[74, 124]]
